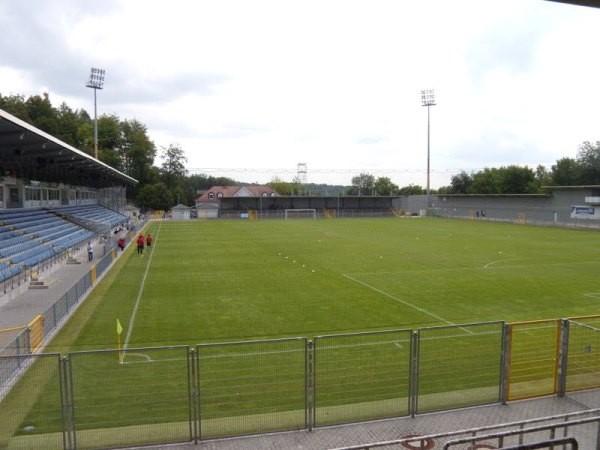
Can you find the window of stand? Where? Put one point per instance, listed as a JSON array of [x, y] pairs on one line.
[[33, 194]]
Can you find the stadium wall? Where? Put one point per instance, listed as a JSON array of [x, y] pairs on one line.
[[557, 208]]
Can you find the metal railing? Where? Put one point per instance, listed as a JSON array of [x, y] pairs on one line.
[[181, 394], [524, 430]]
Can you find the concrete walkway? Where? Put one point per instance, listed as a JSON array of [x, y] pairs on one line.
[[19, 306], [427, 424]]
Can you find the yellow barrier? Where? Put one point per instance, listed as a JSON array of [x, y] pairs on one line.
[[36, 333], [7, 330], [93, 274], [533, 361]]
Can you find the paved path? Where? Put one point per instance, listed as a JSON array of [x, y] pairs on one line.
[[21, 305], [385, 430]]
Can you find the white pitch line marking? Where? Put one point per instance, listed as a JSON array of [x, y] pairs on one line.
[[487, 266], [139, 355], [141, 290], [435, 316], [595, 295]]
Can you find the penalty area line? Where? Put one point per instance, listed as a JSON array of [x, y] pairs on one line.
[[410, 305]]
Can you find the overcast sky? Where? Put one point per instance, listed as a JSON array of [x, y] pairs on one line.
[[251, 88]]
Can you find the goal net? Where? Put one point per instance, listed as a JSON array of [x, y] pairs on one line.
[[306, 213]]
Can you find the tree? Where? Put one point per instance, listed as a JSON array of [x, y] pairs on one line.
[[486, 181], [362, 184], [136, 152], [173, 172], [15, 105], [385, 186], [173, 167], [515, 180], [41, 113], [588, 157], [283, 188], [461, 183], [67, 124], [110, 137], [412, 189], [542, 177], [154, 196], [566, 172]]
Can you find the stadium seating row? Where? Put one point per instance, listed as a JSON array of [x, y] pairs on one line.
[[93, 213], [29, 237]]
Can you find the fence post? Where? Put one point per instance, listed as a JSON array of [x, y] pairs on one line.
[[66, 401], [196, 364], [505, 368], [28, 341], [413, 382], [193, 395], [310, 385], [563, 357]]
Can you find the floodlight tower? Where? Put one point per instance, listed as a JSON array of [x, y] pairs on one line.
[[96, 82], [428, 99], [302, 171]]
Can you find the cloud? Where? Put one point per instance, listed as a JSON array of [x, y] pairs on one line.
[[370, 140], [334, 84]]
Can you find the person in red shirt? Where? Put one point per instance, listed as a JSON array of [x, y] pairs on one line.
[[140, 243], [148, 241], [121, 243]]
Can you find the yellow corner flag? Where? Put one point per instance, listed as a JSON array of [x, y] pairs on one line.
[[119, 331]]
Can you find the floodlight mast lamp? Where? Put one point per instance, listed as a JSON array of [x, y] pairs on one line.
[[428, 99], [96, 82]]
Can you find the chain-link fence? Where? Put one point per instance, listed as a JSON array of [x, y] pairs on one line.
[[159, 395], [469, 358], [361, 376], [32, 411], [252, 387], [534, 353], [145, 393], [583, 356]]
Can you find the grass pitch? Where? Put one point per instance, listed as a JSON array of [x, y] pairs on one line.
[[222, 281], [213, 281]]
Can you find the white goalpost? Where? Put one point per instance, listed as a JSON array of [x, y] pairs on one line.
[[303, 213]]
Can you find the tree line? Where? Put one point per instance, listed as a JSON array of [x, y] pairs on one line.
[[125, 145], [122, 144]]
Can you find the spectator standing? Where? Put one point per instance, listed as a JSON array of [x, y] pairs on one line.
[[121, 243], [140, 243], [90, 250]]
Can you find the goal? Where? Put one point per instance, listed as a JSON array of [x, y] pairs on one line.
[[306, 213]]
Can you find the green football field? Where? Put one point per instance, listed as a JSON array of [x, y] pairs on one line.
[[227, 281], [212, 281]]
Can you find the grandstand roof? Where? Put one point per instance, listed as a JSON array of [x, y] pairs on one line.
[[591, 3], [27, 152]]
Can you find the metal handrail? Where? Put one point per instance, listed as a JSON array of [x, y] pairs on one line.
[[502, 435], [474, 431]]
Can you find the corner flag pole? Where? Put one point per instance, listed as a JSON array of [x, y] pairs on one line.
[[119, 331]]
